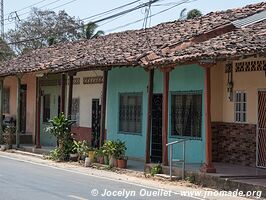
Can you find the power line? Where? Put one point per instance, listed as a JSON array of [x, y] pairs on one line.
[[110, 11], [69, 2], [90, 17], [162, 11], [30, 6], [100, 20], [127, 11], [48, 4]]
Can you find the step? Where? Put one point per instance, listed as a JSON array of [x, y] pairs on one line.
[[166, 176]]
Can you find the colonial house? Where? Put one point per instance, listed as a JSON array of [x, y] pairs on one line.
[[201, 80], [205, 87]]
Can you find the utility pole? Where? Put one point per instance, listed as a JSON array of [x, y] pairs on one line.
[[2, 19]]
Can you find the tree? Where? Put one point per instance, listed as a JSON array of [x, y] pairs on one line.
[[46, 25], [193, 14], [90, 29], [5, 51]]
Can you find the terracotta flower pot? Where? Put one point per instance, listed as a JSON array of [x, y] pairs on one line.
[[101, 160], [122, 163]]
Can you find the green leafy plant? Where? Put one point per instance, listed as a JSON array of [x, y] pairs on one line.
[[116, 148], [100, 152], [56, 154], [120, 149], [9, 135], [60, 127], [80, 147], [109, 147], [156, 169], [191, 179]]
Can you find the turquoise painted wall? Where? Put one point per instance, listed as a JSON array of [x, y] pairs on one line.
[[122, 80], [125, 80]]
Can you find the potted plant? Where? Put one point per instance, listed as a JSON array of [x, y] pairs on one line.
[[91, 153], [8, 136], [2, 143], [73, 155], [60, 127], [120, 154], [110, 149], [100, 155]]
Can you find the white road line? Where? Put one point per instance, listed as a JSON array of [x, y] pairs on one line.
[[95, 176], [77, 197]]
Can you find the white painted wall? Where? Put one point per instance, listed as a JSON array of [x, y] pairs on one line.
[[86, 92]]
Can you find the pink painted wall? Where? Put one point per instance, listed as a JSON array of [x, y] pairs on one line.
[[30, 81]]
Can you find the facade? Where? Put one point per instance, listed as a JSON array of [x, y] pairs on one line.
[[186, 90], [235, 120], [190, 81], [238, 90], [85, 111], [27, 102]]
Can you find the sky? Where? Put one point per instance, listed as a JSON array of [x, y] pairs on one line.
[[86, 8]]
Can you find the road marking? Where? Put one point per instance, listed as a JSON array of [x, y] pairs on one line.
[[77, 197], [95, 176]]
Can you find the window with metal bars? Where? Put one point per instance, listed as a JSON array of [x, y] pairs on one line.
[[130, 115], [186, 114], [240, 106]]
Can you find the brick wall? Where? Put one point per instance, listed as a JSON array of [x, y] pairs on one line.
[[234, 143]]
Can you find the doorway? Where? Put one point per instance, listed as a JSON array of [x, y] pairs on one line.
[[23, 108], [261, 129], [156, 139], [95, 122]]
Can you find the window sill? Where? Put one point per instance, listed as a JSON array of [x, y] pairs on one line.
[[129, 133], [185, 137]]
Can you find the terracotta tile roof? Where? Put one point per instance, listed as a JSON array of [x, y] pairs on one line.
[[125, 48], [245, 41]]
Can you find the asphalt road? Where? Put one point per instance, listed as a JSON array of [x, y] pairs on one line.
[[26, 181]]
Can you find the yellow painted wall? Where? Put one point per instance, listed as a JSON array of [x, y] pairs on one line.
[[222, 108], [29, 80]]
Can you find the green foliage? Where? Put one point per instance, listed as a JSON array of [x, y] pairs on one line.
[[116, 148], [90, 29], [156, 169], [6, 52], [9, 135], [109, 147], [80, 147], [120, 149], [194, 13], [100, 152], [191, 179], [56, 154], [47, 25], [60, 127]]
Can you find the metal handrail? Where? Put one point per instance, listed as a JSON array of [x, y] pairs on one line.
[[171, 144], [176, 142]]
